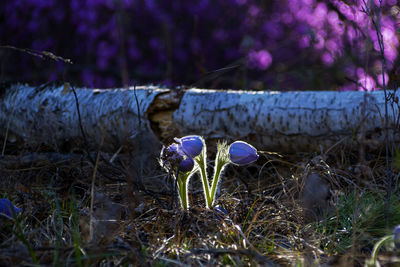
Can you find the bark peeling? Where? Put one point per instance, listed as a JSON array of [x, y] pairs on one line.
[[160, 114]]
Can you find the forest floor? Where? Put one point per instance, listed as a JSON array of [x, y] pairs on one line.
[[306, 209]]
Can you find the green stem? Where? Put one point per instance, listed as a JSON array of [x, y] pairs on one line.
[[377, 246], [201, 160], [182, 180], [217, 175]]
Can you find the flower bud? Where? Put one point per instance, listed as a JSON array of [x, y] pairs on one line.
[[191, 145], [242, 153], [186, 165], [7, 208]]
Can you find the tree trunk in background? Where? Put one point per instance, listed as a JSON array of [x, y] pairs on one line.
[[275, 121]]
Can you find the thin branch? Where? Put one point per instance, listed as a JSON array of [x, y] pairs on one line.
[[92, 189], [138, 107], [376, 20], [79, 116], [40, 54]]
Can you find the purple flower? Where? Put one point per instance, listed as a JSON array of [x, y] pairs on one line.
[[186, 165], [176, 152], [242, 153], [396, 236], [191, 145], [8, 209], [261, 59], [173, 156]]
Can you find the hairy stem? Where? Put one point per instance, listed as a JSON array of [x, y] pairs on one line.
[[182, 182], [218, 169], [202, 162]]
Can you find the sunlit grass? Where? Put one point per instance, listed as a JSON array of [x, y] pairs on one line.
[[337, 231]]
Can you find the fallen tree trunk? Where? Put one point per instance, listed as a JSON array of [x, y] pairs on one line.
[[287, 121], [277, 121], [48, 116]]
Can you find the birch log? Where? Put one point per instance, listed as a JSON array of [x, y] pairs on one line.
[[287, 121], [48, 115], [274, 121]]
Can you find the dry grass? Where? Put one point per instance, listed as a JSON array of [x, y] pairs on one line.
[[265, 215]]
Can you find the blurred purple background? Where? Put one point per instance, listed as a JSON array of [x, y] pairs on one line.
[[242, 44]]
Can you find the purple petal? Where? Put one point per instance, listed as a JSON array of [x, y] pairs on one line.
[[186, 165], [242, 153], [7, 208], [176, 150], [191, 145]]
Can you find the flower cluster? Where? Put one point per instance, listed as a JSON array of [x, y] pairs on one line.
[[311, 44], [177, 159], [188, 155], [180, 154]]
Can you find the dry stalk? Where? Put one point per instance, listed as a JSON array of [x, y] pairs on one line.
[[92, 189]]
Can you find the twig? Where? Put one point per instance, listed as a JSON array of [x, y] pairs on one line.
[[92, 189], [137, 105], [6, 136], [115, 154], [40, 54], [79, 116], [212, 75], [243, 252], [377, 25], [8, 127]]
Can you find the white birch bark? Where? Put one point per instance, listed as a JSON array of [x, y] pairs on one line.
[[284, 121], [49, 115], [275, 121]]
